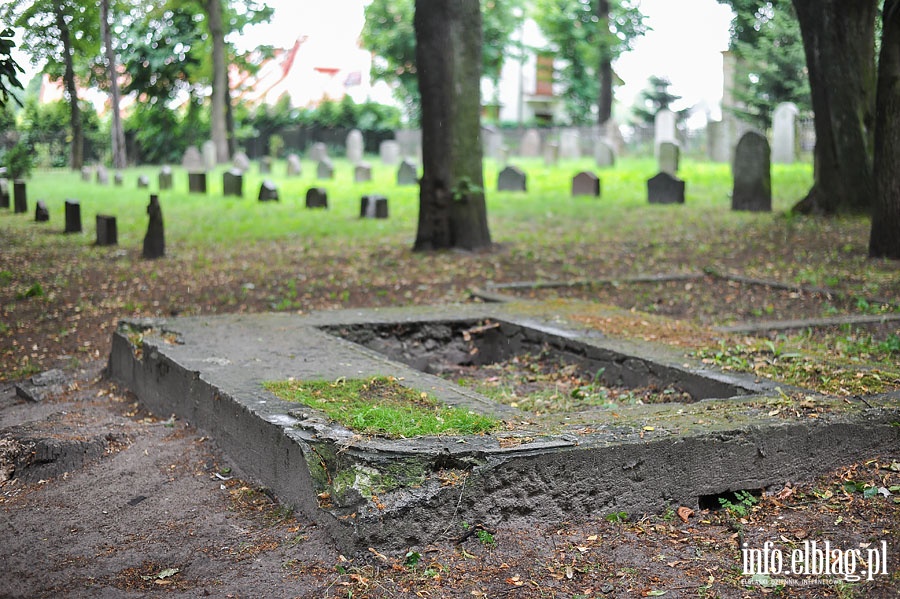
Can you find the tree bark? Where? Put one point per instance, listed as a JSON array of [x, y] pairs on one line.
[[119, 158], [839, 41], [76, 158], [884, 240], [605, 72], [452, 210], [218, 125]]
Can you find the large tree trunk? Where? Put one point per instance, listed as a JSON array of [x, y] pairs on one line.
[[884, 241], [605, 72], [119, 159], [218, 124], [839, 41], [452, 212], [76, 159]]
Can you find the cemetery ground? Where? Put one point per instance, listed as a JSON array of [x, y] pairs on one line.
[[149, 506]]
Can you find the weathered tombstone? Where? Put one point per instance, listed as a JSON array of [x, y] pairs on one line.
[[669, 153], [86, 174], [492, 140], [20, 197], [154, 240], [408, 173], [107, 232], [663, 128], [665, 189], [165, 178], [4, 193], [569, 144], [197, 182], [784, 133], [41, 213], [118, 179], [102, 175], [241, 161], [265, 166], [73, 216], [373, 206], [551, 154], [325, 169], [192, 161], [604, 154], [717, 136], [586, 184], [294, 168], [355, 146], [362, 172], [268, 191], [752, 174], [233, 182], [530, 144], [143, 182], [511, 178], [318, 151], [410, 143], [389, 151], [210, 158], [317, 197]]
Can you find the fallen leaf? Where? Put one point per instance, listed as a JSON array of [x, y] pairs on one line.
[[684, 513]]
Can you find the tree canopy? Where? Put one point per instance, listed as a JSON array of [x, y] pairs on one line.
[[9, 68]]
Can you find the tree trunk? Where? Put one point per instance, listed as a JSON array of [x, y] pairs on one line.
[[76, 159], [119, 159], [452, 211], [839, 41], [884, 241], [605, 72], [218, 124]]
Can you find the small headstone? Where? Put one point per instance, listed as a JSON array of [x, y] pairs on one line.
[[210, 158], [20, 197], [192, 161], [317, 197], [241, 161], [511, 178], [492, 139], [265, 166], [407, 174], [389, 151], [268, 192], [717, 135], [4, 193], [86, 174], [102, 175], [73, 216], [551, 154], [604, 154], [197, 182], [362, 172], [294, 168], [752, 174], [410, 143], [107, 232], [530, 144], [784, 133], [665, 189], [586, 184], [118, 180], [373, 206], [143, 182], [355, 145], [165, 178], [233, 182], [669, 153], [569, 144], [41, 213], [325, 170], [664, 126], [318, 151], [154, 240]]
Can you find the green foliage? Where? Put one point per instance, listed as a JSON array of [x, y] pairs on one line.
[[34, 291], [486, 538], [655, 97], [9, 68], [19, 161], [740, 507], [617, 517]]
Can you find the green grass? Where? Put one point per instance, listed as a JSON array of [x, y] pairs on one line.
[[382, 406]]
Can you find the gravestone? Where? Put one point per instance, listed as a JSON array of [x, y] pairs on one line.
[[665, 189], [316, 197], [86, 174], [511, 178], [355, 145], [717, 141], [118, 180], [192, 161], [107, 232], [268, 191], [165, 178], [41, 213], [663, 128], [784, 133], [752, 174], [241, 161], [294, 168], [325, 169], [569, 144], [20, 197], [4, 193], [197, 182], [233, 182], [389, 152], [410, 143], [586, 184], [318, 151], [492, 140], [265, 165], [551, 154], [373, 206], [154, 240], [408, 173], [73, 216], [668, 157], [102, 175], [362, 172], [604, 154], [530, 144], [210, 158], [143, 182]]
